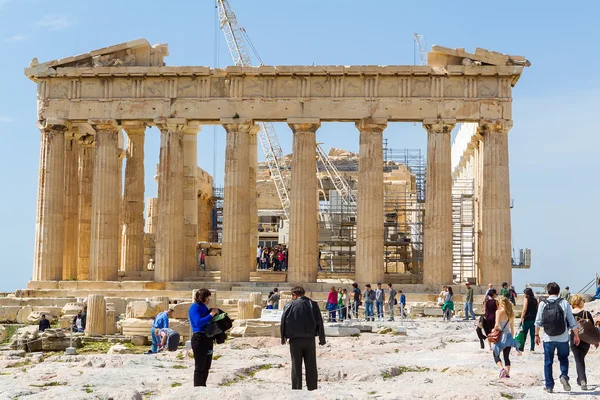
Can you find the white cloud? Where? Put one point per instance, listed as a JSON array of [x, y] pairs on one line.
[[4, 118], [54, 22], [16, 38]]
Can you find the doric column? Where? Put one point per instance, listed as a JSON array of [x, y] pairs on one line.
[[437, 241], [236, 204], [169, 234], [106, 201], [121, 156], [369, 226], [71, 193], [495, 249], [253, 160], [84, 207], [132, 255], [49, 230], [190, 195], [303, 244]]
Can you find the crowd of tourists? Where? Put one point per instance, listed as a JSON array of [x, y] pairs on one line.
[[272, 258]]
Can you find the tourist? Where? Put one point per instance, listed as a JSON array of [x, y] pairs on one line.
[[379, 300], [340, 305], [300, 323], [202, 259], [597, 295], [332, 301], [259, 251], [402, 304], [505, 323], [442, 295], [512, 295], [391, 302], [79, 322], [486, 297], [151, 265], [161, 321], [280, 259], [285, 259], [369, 297], [345, 304], [319, 261], [556, 317], [469, 302], [491, 305], [448, 306], [504, 290], [528, 313], [580, 350], [168, 339], [273, 300], [356, 298], [202, 346], [263, 258], [44, 323], [565, 294]]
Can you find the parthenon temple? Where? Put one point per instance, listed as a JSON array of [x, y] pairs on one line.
[[93, 225]]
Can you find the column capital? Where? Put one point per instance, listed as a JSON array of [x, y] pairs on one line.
[[439, 125], [299, 125], [134, 127], [171, 124], [243, 125], [375, 125], [110, 125], [494, 126], [54, 125]]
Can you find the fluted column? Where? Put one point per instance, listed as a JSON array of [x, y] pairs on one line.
[[190, 195], [71, 193], [437, 241], [495, 255], [253, 160], [169, 235], [84, 207], [49, 232], [236, 204], [121, 156], [132, 256], [369, 226], [303, 246], [106, 196]]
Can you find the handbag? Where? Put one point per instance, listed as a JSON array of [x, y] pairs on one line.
[[494, 336], [520, 338], [588, 333]]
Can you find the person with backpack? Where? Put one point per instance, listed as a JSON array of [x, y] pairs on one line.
[[581, 350], [300, 323], [528, 313], [391, 301], [556, 317], [369, 297]]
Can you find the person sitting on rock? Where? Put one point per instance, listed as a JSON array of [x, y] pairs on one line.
[[168, 339], [44, 323], [79, 322]]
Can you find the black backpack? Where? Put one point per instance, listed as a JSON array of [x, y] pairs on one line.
[[553, 318]]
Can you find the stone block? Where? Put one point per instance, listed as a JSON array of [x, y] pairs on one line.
[[136, 327], [111, 319], [145, 309], [340, 331], [245, 309], [433, 312], [360, 327], [254, 328], [139, 340], [9, 313], [119, 349], [35, 317], [26, 338], [71, 309], [56, 340], [400, 331], [180, 310], [257, 311], [2, 333], [256, 297], [48, 310]]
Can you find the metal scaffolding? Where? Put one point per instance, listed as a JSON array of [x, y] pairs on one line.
[[216, 229], [463, 231]]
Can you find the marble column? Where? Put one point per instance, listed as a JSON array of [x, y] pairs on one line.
[[169, 234], [121, 156], [370, 218], [84, 207], [253, 160], [437, 240], [71, 193], [49, 230], [106, 201], [303, 243], [190, 196], [132, 255], [236, 204], [96, 315], [495, 254]]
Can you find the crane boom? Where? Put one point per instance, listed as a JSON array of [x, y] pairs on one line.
[[235, 37], [421, 47]]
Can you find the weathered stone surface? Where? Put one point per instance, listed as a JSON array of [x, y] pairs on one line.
[[72, 309], [2, 333], [119, 349], [180, 310], [136, 327], [255, 328], [96, 315], [23, 314], [139, 340], [245, 309], [26, 338], [36, 316], [257, 311], [111, 319], [9, 313], [257, 298], [340, 331], [56, 340], [144, 309]]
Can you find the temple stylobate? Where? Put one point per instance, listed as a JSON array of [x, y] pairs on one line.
[[90, 227]]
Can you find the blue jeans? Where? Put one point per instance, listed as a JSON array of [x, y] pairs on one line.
[[379, 305], [154, 340], [562, 348], [469, 310], [368, 311], [332, 311]]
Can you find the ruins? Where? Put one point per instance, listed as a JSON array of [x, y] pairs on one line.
[[90, 229]]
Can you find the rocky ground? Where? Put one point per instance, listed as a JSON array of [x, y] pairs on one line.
[[435, 360]]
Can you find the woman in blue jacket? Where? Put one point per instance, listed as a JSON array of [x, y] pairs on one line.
[[200, 316]]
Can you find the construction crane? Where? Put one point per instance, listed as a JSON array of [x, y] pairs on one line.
[[421, 48], [338, 181], [236, 38]]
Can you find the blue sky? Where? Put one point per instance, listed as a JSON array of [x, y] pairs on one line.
[[553, 145]]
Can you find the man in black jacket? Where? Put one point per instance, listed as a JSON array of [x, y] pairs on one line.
[[300, 323]]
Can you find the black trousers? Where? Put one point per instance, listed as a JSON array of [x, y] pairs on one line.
[[304, 349], [579, 353], [203, 352], [506, 354], [173, 342]]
